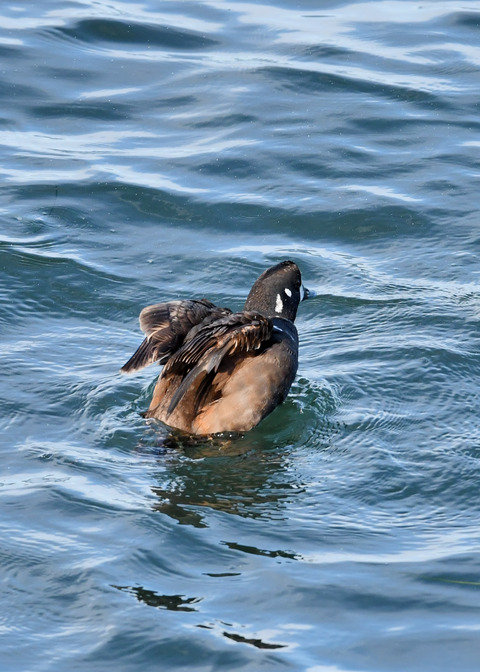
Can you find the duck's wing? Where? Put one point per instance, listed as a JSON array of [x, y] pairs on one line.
[[166, 326], [202, 354]]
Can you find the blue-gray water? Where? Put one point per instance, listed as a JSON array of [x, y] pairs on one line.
[[161, 150]]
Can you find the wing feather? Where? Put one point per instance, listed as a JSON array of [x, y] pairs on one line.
[[166, 326], [203, 354]]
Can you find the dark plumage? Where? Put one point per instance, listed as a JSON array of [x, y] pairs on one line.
[[223, 371]]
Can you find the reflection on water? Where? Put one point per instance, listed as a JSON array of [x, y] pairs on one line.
[[234, 476], [183, 604], [170, 602], [244, 475]]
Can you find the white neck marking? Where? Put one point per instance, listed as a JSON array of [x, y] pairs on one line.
[[278, 304]]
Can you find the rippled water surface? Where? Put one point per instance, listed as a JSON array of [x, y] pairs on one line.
[[162, 150]]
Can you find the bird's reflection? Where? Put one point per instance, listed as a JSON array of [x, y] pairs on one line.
[[241, 475], [153, 599], [189, 604], [251, 475]]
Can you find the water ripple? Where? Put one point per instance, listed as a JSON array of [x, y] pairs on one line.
[[109, 30], [162, 151]]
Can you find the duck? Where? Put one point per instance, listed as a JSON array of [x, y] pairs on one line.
[[223, 371]]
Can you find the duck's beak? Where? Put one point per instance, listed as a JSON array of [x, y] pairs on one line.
[[306, 293]]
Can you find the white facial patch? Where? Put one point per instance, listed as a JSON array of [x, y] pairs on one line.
[[278, 304], [288, 291], [302, 292]]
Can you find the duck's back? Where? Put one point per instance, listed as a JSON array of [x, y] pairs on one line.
[[247, 386]]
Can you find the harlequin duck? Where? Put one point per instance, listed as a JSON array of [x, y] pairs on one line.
[[223, 371]]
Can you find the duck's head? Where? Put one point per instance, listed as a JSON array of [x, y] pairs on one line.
[[278, 291]]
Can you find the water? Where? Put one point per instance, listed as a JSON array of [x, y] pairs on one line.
[[166, 150]]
